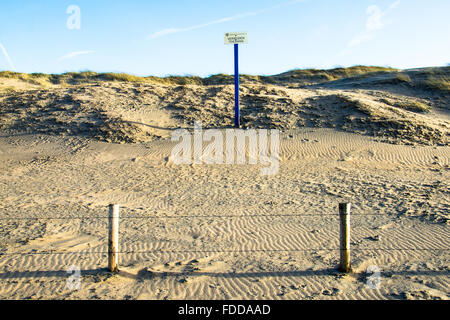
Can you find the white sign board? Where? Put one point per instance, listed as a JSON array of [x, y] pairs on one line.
[[236, 37]]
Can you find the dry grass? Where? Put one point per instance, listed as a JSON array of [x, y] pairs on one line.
[[8, 90], [73, 78], [120, 77], [306, 76], [313, 76], [435, 79], [438, 83], [415, 106], [431, 79], [177, 80], [403, 77]]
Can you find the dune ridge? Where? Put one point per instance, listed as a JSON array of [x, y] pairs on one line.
[[375, 102]]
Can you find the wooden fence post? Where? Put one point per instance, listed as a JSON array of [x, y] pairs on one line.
[[344, 214], [113, 238]]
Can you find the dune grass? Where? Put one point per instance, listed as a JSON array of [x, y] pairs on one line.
[[320, 76], [438, 83], [89, 76], [8, 90], [73, 78], [403, 77], [432, 78], [437, 79], [415, 106]]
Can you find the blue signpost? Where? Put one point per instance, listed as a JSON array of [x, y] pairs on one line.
[[236, 38], [236, 86]]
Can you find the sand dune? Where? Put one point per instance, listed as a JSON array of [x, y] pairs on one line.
[[225, 231], [376, 105]]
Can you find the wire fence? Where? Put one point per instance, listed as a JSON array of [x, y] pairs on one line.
[[190, 216], [195, 216], [223, 251]]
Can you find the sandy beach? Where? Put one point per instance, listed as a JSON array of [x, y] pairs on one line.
[[200, 231]]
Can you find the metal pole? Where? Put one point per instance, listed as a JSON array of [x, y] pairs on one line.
[[236, 86]]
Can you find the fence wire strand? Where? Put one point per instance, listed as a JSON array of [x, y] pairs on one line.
[[124, 217], [192, 216], [224, 251]]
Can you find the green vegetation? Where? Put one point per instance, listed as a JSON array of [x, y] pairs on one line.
[[220, 79], [441, 83], [120, 77], [429, 78], [74, 78], [403, 77], [179, 80], [308, 76], [435, 79], [414, 105], [8, 90]]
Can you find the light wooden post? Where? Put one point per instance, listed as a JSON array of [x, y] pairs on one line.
[[344, 214], [113, 238]]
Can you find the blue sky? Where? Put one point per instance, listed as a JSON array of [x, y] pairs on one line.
[[162, 37]]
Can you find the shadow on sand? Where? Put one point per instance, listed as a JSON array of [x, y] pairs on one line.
[[144, 274]]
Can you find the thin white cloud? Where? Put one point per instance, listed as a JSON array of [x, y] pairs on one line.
[[374, 23], [74, 54], [168, 31], [5, 53]]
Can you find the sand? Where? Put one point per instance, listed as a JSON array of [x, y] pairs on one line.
[[221, 231]]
